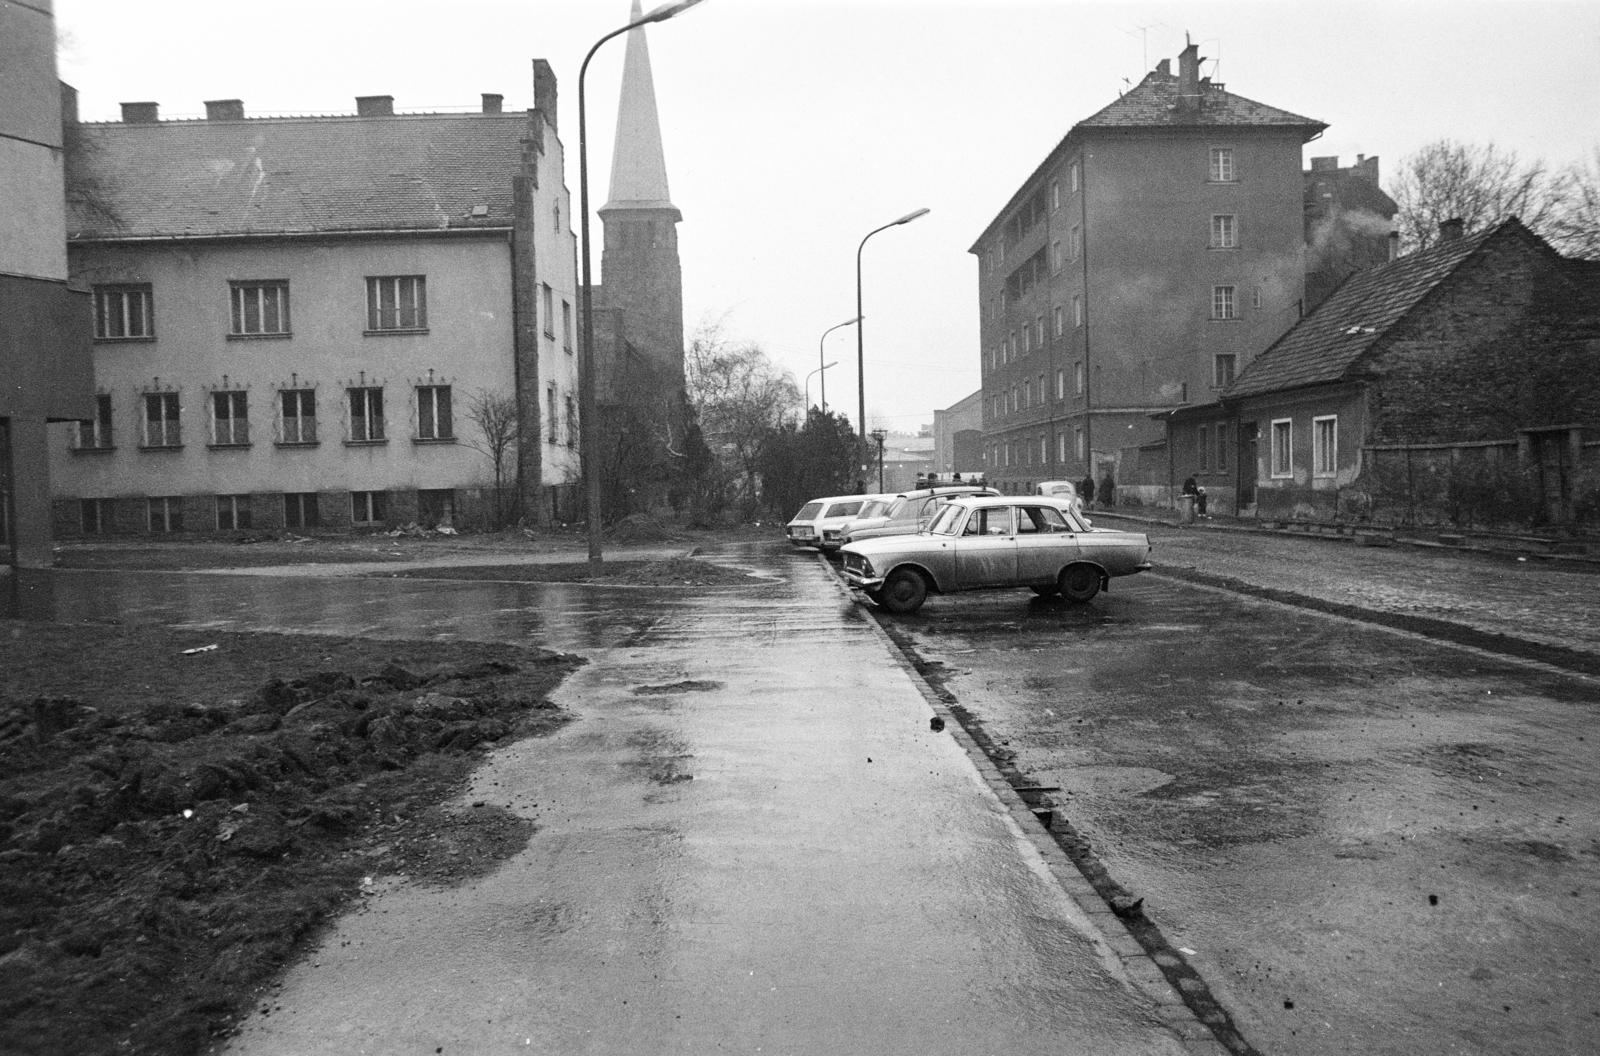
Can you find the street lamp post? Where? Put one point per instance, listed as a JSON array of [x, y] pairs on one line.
[[820, 341], [878, 435], [861, 348], [819, 370], [588, 436]]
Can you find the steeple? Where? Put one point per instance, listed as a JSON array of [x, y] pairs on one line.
[[638, 164]]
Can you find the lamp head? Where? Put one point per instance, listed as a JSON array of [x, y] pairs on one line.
[[666, 11], [912, 216]]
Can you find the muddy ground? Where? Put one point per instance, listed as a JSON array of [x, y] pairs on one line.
[[179, 812]]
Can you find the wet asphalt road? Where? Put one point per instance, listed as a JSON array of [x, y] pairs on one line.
[[1371, 843], [750, 840]]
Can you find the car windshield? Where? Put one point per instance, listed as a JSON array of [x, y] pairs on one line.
[[946, 520], [876, 508], [807, 512]]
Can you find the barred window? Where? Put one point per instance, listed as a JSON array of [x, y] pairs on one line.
[[122, 312], [368, 507], [397, 302]]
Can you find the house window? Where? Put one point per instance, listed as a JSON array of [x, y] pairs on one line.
[[1027, 394], [1060, 321], [433, 413], [1075, 243], [1055, 257], [233, 512], [1061, 447], [1077, 442], [1061, 384], [1324, 445], [299, 424], [366, 415], [1077, 378], [161, 426], [1222, 447], [1038, 330], [550, 414], [1055, 195], [368, 507], [230, 419], [1224, 231], [300, 510], [95, 516], [1027, 340], [1222, 369], [566, 326], [1222, 170], [165, 514], [397, 302], [94, 434], [549, 311], [1204, 446], [260, 308], [122, 313], [1255, 297], [572, 422], [1044, 449], [1282, 447], [1077, 309], [1074, 177], [1222, 303]]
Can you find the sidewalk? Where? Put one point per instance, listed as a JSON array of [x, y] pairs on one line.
[[1535, 607], [751, 840]]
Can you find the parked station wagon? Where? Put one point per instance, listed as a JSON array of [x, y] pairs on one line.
[[905, 513], [995, 543], [819, 521]]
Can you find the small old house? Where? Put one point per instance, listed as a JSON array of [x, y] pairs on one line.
[[1460, 384]]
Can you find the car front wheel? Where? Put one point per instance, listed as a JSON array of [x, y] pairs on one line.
[[904, 591], [1080, 583]]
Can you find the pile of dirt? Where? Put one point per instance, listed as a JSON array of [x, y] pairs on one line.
[[640, 528], [176, 815]]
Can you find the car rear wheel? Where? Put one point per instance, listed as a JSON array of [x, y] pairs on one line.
[[904, 591], [1079, 583]]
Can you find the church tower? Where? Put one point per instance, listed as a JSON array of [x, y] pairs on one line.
[[640, 274]]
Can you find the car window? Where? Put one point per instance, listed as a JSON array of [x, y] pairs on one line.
[[1037, 519], [844, 509], [807, 512], [947, 521], [1076, 523], [990, 520], [873, 509]]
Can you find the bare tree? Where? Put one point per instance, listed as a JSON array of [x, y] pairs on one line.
[[495, 415], [1479, 184], [1575, 230], [740, 396]]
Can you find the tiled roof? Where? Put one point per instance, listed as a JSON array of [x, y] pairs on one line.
[[1153, 103], [299, 175], [1326, 344]]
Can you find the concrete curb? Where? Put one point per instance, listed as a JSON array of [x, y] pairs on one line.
[[1142, 968]]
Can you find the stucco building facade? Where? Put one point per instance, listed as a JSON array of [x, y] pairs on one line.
[[1151, 255], [323, 321]]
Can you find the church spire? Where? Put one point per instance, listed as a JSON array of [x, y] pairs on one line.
[[638, 164]]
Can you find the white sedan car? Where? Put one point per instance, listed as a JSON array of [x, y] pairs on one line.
[[995, 543]]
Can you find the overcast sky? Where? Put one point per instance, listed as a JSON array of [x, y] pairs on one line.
[[794, 127]]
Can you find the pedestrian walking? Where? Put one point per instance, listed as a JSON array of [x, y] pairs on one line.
[[1200, 499], [1086, 489]]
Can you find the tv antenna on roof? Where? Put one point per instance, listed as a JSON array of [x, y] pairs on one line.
[[1144, 42]]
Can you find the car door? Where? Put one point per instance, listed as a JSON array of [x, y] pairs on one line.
[[986, 549], [1046, 544]]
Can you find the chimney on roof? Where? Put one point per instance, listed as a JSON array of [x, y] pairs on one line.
[[69, 104], [1451, 229], [224, 109], [1189, 79], [375, 106], [492, 103], [1164, 67], [141, 113], [544, 91]]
